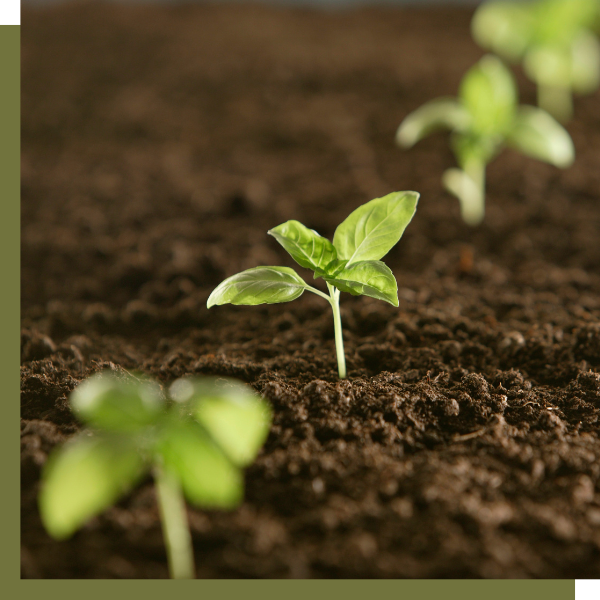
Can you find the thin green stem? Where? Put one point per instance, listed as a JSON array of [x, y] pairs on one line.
[[176, 532], [468, 185], [337, 326], [318, 292], [473, 205], [334, 300]]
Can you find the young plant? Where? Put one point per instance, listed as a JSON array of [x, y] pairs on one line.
[[553, 39], [483, 119], [349, 264], [194, 445]]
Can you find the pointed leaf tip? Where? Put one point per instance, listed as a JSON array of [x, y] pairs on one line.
[[537, 134], [441, 113], [374, 228]]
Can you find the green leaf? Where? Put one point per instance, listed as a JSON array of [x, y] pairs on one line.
[[260, 285], [506, 28], [368, 278], [537, 134], [207, 476], [437, 114], [236, 418], [585, 56], [374, 228], [85, 477], [488, 92], [309, 249], [116, 403]]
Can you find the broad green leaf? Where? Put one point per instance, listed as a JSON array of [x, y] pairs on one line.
[[585, 56], [309, 249], [260, 285], [207, 476], [437, 114], [488, 92], [506, 28], [117, 404], [368, 278], [537, 134], [469, 193], [236, 418], [85, 477], [374, 228]]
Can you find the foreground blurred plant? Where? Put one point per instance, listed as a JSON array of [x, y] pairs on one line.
[[553, 39], [194, 446], [484, 118], [349, 264]]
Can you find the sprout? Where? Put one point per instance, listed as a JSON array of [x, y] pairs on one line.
[[349, 264], [194, 446], [484, 118], [553, 39]]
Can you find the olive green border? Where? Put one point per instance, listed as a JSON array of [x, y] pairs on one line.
[[9, 294], [288, 590], [313, 589]]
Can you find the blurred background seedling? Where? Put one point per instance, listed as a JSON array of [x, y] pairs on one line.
[[194, 444], [555, 40], [483, 119]]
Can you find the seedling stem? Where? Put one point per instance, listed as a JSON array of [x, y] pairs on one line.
[[473, 212], [176, 531], [334, 300], [337, 326]]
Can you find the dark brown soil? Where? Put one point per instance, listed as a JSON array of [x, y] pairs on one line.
[[160, 145]]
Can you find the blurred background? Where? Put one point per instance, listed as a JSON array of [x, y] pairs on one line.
[[179, 112]]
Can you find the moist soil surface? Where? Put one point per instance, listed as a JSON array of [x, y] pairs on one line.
[[160, 145]]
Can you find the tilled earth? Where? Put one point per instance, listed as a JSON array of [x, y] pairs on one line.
[[160, 145]]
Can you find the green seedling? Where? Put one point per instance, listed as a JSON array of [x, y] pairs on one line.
[[483, 119], [349, 264], [553, 39], [194, 444]]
